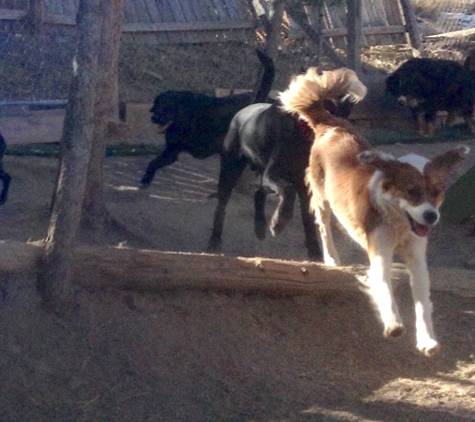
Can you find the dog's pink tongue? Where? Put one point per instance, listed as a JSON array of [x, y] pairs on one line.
[[421, 230]]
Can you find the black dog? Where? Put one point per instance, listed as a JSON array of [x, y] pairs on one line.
[[277, 146], [197, 123], [430, 85], [4, 176]]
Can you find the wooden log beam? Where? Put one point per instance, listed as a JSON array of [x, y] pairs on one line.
[[150, 270]]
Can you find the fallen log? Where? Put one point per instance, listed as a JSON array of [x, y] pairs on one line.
[[148, 270], [151, 270]]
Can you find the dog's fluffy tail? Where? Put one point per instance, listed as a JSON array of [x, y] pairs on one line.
[[306, 92]]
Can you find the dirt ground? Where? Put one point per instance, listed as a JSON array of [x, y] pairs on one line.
[[207, 356]]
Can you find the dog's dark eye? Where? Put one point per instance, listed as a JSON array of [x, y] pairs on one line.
[[434, 193], [415, 194]]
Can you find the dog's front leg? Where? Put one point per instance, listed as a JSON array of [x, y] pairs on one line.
[[379, 286], [416, 262]]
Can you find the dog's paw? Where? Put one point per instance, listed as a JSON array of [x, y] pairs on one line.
[[396, 330], [429, 347], [260, 227], [145, 182], [214, 245]]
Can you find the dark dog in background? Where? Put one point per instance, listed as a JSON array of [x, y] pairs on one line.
[[4, 176], [430, 85], [276, 145], [197, 123]]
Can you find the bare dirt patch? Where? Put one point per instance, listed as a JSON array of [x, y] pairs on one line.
[[197, 356]]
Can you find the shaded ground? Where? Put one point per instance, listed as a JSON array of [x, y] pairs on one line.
[[204, 356]]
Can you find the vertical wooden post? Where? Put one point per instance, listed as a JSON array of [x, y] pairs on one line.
[[34, 16], [411, 25], [354, 35], [54, 277]]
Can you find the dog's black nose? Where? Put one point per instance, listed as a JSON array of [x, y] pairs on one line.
[[430, 217]]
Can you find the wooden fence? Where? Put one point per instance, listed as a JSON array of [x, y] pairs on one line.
[[191, 21]]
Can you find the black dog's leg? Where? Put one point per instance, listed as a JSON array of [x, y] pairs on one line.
[[314, 251], [286, 191], [5, 178], [260, 223], [167, 157], [228, 177], [284, 211]]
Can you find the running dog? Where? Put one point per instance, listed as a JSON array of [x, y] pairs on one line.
[[276, 145], [4, 176], [197, 123], [430, 85], [387, 206]]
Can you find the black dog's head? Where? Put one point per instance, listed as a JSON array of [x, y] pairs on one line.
[[410, 90], [165, 108], [171, 106]]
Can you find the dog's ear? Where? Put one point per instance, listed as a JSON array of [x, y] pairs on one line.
[[441, 164]]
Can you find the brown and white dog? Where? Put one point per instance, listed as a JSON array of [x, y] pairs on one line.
[[388, 206]]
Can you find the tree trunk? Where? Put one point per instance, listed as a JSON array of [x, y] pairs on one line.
[[105, 110], [354, 35], [55, 273]]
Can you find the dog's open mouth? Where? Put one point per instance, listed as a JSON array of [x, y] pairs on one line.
[[419, 229], [162, 128]]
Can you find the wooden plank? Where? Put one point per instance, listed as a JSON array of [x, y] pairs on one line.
[[221, 13], [143, 15], [70, 8], [341, 32], [177, 11], [233, 12], [60, 20], [166, 15], [155, 16], [186, 26], [454, 34], [188, 11], [200, 11], [54, 7], [378, 18]]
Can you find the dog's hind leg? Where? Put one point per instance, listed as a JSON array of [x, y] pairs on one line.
[[229, 174], [284, 211], [165, 158], [415, 259], [285, 190], [311, 240], [4, 176], [260, 222], [323, 219]]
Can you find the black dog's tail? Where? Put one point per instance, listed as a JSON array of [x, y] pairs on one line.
[[261, 94]]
